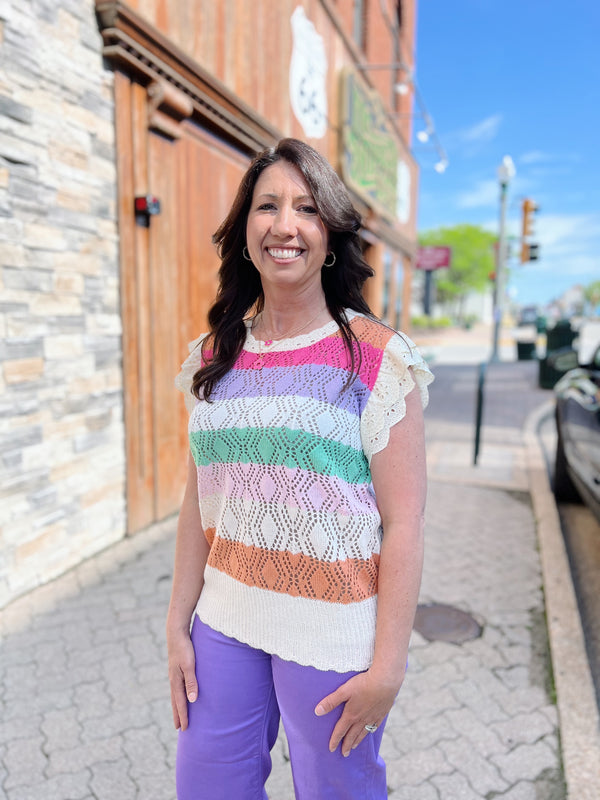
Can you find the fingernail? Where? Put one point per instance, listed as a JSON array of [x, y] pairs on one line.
[[346, 754], [192, 696], [319, 710]]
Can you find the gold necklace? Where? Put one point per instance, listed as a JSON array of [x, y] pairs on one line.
[[288, 335]]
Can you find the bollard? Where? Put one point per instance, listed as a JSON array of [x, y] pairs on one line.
[[479, 410]]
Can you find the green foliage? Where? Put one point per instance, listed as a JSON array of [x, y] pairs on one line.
[[472, 260], [423, 321], [592, 294]]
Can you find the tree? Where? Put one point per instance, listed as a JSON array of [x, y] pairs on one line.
[[471, 265], [592, 295]]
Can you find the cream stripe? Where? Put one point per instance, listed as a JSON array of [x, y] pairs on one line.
[[310, 632], [290, 411], [276, 526]]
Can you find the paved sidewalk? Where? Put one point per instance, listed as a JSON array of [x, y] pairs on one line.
[[84, 709]]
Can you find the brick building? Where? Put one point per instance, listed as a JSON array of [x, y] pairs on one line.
[[105, 102]]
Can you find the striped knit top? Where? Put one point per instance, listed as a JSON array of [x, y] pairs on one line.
[[283, 451]]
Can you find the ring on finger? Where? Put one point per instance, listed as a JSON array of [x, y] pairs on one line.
[[371, 728]]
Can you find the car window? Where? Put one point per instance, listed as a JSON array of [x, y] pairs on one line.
[[596, 359]]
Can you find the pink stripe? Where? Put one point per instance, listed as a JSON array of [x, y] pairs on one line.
[[294, 487], [329, 352]]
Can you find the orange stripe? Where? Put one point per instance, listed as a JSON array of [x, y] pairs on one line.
[[372, 332], [210, 535], [296, 574]]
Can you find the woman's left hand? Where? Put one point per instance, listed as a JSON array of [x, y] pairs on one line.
[[367, 701]]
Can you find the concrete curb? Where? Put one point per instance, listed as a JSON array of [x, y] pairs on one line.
[[575, 696]]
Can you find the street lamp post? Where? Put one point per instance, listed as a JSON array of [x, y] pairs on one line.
[[506, 171]]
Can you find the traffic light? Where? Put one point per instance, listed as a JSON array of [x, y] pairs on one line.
[[529, 251], [529, 208]]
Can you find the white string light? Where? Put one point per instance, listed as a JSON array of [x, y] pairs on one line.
[[428, 135]]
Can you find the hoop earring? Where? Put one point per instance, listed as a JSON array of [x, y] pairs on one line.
[[245, 253], [332, 254]]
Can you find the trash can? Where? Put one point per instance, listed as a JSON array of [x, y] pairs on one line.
[[561, 335], [526, 351], [555, 365]]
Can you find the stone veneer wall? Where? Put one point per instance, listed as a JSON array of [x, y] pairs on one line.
[[62, 461]]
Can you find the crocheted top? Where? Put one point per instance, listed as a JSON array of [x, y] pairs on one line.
[[283, 451]]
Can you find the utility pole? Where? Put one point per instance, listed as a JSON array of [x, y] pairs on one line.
[[506, 171]]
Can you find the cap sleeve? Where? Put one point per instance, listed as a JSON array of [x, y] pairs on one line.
[[402, 367], [190, 366]]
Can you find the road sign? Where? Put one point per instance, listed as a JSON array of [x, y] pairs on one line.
[[430, 258]]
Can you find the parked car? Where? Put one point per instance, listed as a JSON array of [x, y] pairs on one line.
[[528, 315], [577, 466]]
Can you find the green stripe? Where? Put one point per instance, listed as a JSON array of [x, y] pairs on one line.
[[280, 446]]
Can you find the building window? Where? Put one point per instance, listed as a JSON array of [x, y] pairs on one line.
[[399, 293], [359, 32], [399, 14], [387, 285]]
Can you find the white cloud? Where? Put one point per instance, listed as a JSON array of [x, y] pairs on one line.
[[535, 157], [470, 140], [483, 131], [539, 157], [568, 234], [482, 195]]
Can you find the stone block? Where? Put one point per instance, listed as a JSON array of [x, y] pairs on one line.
[[20, 348], [27, 278], [46, 542], [43, 237], [63, 346], [112, 779], [12, 254], [61, 729], [52, 304], [25, 762], [526, 762], [23, 370], [14, 110]]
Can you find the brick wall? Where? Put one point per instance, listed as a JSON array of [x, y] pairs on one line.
[[62, 470]]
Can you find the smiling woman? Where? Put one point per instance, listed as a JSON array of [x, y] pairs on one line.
[[307, 446], [287, 242]]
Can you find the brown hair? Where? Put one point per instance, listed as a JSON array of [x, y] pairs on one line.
[[240, 288]]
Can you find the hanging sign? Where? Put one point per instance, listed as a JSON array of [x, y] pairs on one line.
[[374, 162], [430, 258], [308, 72]]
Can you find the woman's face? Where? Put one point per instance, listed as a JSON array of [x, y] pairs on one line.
[[286, 238]]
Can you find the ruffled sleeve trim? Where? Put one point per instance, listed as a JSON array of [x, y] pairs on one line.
[[401, 368], [189, 368]]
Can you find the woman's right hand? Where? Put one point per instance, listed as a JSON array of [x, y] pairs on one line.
[[182, 676]]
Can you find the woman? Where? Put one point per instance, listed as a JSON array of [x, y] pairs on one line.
[[299, 542]]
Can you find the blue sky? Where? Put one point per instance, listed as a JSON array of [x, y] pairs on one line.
[[518, 78]]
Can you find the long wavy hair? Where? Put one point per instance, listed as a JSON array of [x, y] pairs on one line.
[[240, 288]]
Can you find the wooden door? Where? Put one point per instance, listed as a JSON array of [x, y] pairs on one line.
[[168, 279]]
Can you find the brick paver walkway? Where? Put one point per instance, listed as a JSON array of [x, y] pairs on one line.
[[84, 708]]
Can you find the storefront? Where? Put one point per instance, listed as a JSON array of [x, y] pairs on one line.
[[127, 128]]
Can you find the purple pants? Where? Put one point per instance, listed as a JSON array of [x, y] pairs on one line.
[[224, 754]]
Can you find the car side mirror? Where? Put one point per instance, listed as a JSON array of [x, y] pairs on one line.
[[563, 362]]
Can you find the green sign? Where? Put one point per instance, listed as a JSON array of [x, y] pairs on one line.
[[369, 147]]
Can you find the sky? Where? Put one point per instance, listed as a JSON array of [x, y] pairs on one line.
[[518, 78]]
